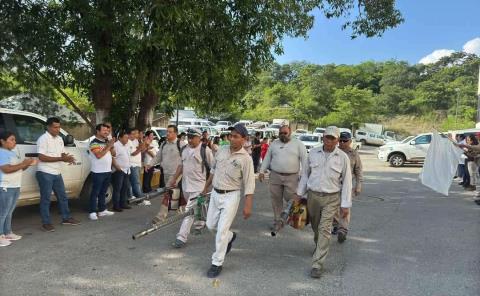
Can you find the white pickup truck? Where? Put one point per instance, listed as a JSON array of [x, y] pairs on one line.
[[28, 127], [409, 150]]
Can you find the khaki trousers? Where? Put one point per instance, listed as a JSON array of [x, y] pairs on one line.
[[321, 210], [282, 187]]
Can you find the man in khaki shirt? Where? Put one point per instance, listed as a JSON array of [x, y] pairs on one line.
[[327, 179], [194, 170], [169, 159], [233, 168], [345, 144]]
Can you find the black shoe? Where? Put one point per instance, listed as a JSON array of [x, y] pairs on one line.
[[117, 210], [461, 183], [214, 271], [229, 247], [316, 273], [126, 207], [334, 230], [341, 237]]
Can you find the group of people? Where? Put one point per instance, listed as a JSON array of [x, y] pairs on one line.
[[324, 177], [468, 172]]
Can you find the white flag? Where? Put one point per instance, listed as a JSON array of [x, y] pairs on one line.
[[440, 164]]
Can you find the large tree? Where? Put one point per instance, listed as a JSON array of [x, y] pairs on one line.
[[134, 52]]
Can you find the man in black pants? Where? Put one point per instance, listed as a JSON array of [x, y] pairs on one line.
[[120, 176], [256, 151]]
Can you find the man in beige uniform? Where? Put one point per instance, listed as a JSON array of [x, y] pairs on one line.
[[194, 170], [345, 144], [328, 181], [284, 159], [233, 166], [169, 159]]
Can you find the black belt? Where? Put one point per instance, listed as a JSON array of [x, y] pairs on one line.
[[285, 174], [222, 191]]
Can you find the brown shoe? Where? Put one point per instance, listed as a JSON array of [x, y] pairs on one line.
[[48, 228], [70, 221]]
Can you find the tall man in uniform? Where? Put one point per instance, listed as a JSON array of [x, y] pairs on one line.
[[233, 167], [327, 179], [194, 170], [169, 159], [345, 144], [285, 157]]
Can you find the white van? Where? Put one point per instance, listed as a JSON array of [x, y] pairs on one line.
[[28, 127], [409, 150]]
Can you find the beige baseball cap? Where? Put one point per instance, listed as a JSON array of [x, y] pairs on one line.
[[332, 131]]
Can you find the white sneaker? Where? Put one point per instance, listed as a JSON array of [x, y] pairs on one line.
[[4, 242], [13, 237], [146, 203], [105, 213], [93, 216]]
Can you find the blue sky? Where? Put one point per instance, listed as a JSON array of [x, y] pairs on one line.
[[429, 25]]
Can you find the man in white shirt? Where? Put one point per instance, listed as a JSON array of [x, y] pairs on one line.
[[51, 156], [100, 152], [196, 161], [120, 176], [135, 148], [327, 179]]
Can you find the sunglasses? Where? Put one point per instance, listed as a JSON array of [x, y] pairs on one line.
[[344, 141]]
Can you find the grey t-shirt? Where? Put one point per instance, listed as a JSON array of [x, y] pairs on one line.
[[285, 158]]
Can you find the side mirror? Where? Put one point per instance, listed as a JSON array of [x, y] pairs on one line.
[[69, 140], [412, 142]]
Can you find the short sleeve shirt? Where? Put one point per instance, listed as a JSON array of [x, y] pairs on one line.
[[50, 146], [122, 157], [100, 165], [12, 180], [135, 161]]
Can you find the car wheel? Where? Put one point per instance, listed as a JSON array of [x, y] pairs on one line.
[[397, 160], [363, 141]]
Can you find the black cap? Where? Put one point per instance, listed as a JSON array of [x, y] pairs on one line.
[[345, 135], [240, 128]]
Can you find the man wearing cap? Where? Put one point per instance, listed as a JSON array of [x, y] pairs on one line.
[[233, 167], [285, 157], [169, 159], [194, 170], [345, 144], [327, 180]]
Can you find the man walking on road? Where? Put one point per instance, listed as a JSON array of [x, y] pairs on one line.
[[101, 152], [233, 167], [195, 165], [327, 179], [169, 158], [285, 157], [341, 223]]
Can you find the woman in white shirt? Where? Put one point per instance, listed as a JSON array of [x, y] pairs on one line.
[[10, 181]]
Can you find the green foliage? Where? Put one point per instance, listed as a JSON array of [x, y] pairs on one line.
[[347, 95]]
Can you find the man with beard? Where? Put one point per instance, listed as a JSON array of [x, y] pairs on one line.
[[285, 158]]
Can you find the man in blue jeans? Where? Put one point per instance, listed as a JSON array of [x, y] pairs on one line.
[[101, 152], [51, 156], [135, 149]]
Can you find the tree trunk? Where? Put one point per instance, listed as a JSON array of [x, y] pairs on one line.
[[147, 107], [102, 95]]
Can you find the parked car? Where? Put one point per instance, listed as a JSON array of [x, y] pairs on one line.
[[368, 138], [310, 141], [409, 150], [223, 125], [160, 133], [194, 121], [319, 131], [28, 127], [212, 131], [259, 125]]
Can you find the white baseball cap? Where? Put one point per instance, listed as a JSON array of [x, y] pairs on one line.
[[332, 131]]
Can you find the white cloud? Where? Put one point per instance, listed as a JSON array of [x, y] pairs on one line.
[[472, 46], [436, 55]]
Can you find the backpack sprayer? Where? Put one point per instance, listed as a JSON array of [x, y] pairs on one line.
[[294, 214], [199, 211]]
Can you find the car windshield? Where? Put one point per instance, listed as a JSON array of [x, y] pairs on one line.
[[319, 130], [308, 138], [161, 132], [407, 139], [274, 125], [222, 123]]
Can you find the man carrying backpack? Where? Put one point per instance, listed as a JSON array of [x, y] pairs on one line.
[[169, 159], [197, 159]]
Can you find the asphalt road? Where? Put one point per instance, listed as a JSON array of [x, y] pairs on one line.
[[404, 240]]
